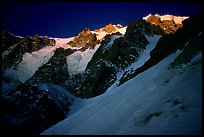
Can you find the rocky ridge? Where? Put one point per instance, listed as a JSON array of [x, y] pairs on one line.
[[168, 23]]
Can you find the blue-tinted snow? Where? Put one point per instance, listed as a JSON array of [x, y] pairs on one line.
[[176, 94]]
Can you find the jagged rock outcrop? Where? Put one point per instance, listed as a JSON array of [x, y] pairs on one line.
[[169, 26], [9, 40], [92, 82], [109, 28], [192, 48], [125, 50], [84, 40], [145, 27]]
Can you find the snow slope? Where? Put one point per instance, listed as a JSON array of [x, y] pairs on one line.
[[157, 101], [27, 67], [78, 61], [32, 61], [62, 42]]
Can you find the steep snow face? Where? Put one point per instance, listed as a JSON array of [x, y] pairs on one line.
[[113, 38], [157, 101], [100, 34], [177, 19], [145, 55], [62, 42], [78, 61], [122, 30], [30, 63]]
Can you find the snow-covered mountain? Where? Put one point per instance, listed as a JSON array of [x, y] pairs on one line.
[[144, 78], [176, 19], [169, 23]]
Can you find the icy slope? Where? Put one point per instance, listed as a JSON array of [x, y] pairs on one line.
[[157, 101], [27, 67], [78, 61], [62, 42]]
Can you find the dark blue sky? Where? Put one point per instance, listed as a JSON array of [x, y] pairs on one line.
[[66, 19]]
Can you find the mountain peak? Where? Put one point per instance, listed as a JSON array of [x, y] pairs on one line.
[[84, 39], [119, 26], [169, 23], [176, 19], [109, 28]]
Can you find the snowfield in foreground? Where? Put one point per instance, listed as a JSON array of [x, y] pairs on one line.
[[157, 101]]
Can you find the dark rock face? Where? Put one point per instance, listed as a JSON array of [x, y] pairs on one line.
[[29, 110], [84, 40], [144, 27], [109, 59], [55, 70], [109, 28], [192, 48], [18, 46], [124, 50], [154, 20], [8, 40], [170, 43], [169, 26], [92, 82]]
